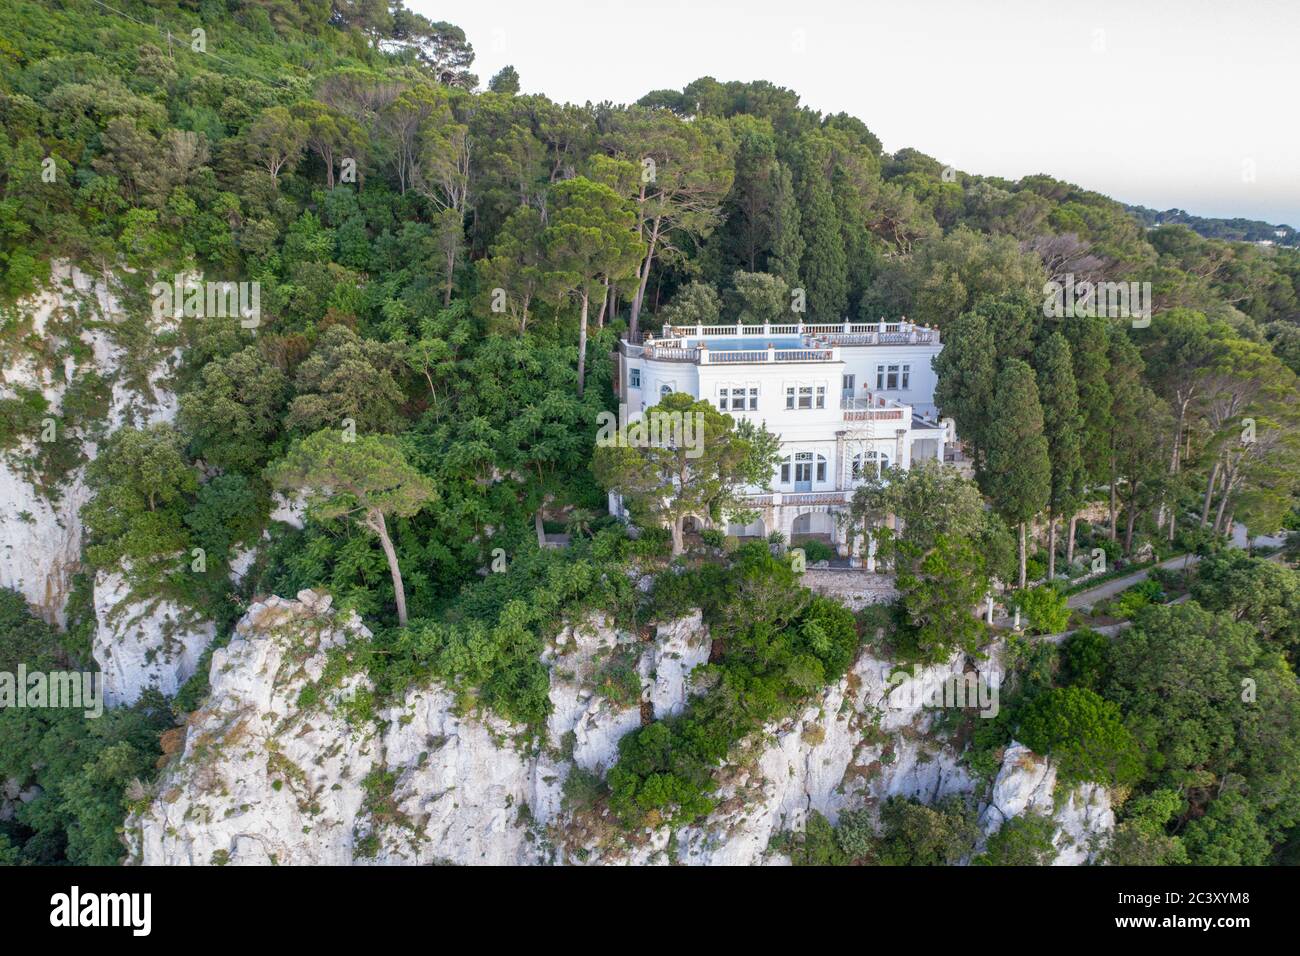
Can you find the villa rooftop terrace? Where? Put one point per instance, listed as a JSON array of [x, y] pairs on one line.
[[746, 344]]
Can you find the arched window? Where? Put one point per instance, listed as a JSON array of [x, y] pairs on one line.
[[869, 464], [665, 389]]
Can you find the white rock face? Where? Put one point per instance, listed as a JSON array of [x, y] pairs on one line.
[[40, 540], [429, 780], [289, 510], [40, 535], [866, 739], [1026, 783], [142, 645], [263, 778], [241, 562], [444, 786]]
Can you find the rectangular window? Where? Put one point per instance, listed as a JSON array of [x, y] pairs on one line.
[[722, 399], [880, 377], [848, 382], [753, 398], [821, 468], [785, 473], [821, 396], [891, 380], [789, 397], [907, 376], [634, 377], [805, 396]]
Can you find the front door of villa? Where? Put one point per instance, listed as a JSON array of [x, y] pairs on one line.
[[803, 471]]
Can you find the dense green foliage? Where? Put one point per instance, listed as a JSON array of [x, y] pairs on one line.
[[443, 277], [775, 643], [81, 767], [1196, 710]]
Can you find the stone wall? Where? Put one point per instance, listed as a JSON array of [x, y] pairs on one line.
[[855, 587]]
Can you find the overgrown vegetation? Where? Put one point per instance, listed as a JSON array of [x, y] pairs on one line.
[[444, 274], [776, 645]]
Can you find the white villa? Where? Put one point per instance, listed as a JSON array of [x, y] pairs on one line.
[[844, 399]]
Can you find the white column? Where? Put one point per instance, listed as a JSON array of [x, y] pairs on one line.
[[840, 471]]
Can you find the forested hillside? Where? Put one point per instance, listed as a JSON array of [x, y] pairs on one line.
[[1237, 230], [444, 269]]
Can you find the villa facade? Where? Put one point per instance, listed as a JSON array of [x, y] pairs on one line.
[[845, 399]]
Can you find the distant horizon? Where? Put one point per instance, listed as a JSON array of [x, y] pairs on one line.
[[1194, 128]]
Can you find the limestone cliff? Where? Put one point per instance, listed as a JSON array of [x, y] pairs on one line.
[[289, 762], [68, 338]]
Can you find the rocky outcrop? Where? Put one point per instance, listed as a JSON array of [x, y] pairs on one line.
[[13, 795], [1026, 783], [276, 765], [868, 737], [422, 781], [285, 763], [40, 528], [143, 644]]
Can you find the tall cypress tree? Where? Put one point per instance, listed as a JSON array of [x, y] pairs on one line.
[[824, 267], [784, 228], [1088, 338], [967, 375], [1019, 472], [1062, 424]]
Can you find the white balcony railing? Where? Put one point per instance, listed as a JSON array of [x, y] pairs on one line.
[[874, 408], [840, 333], [675, 350]]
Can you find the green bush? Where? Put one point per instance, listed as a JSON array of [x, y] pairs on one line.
[[713, 537], [1135, 598], [1021, 841], [817, 844], [1086, 659], [1044, 609], [780, 644], [918, 835], [815, 550], [1084, 734]]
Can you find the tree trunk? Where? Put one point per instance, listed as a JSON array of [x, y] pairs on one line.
[[1069, 543], [451, 271], [604, 302], [1209, 493], [1114, 506], [375, 519], [1022, 554], [539, 527], [582, 342], [1130, 521], [679, 541], [1223, 505], [644, 278], [1051, 547]]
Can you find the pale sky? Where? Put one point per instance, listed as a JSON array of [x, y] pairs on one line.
[[1161, 103]]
